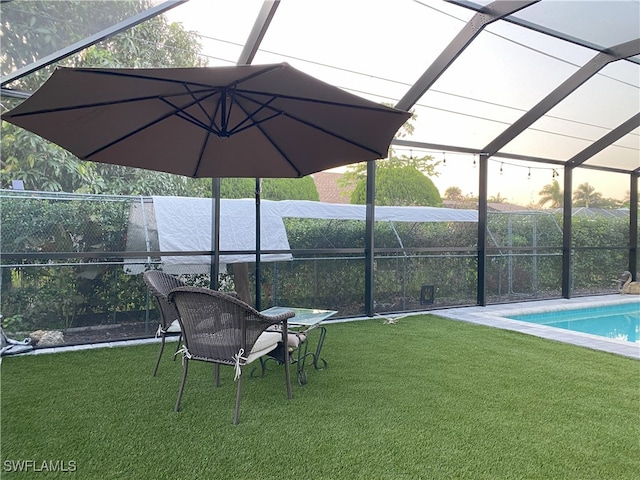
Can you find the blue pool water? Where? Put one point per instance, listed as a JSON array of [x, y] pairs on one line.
[[621, 322]]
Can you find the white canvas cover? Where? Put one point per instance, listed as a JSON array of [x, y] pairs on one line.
[[309, 209], [184, 224]]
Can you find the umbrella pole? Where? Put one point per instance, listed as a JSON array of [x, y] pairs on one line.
[[215, 233], [258, 231]]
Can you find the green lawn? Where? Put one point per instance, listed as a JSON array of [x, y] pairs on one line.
[[424, 398]]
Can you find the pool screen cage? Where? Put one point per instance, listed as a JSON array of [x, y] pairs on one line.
[[73, 262], [538, 85]]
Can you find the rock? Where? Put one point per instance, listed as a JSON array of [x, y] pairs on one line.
[[47, 338], [36, 336]]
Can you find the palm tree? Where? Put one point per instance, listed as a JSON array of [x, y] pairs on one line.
[[551, 193], [585, 196], [453, 193], [497, 199]]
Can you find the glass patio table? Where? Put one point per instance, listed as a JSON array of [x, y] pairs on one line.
[[306, 319]]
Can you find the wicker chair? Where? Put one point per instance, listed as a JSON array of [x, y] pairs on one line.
[[223, 330], [160, 284]]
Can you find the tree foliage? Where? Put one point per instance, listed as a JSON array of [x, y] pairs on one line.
[[358, 171], [551, 194], [290, 189], [497, 198], [33, 30], [399, 185], [585, 195], [400, 180], [271, 188], [453, 193]]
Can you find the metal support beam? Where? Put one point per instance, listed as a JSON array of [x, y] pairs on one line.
[[539, 28], [258, 301], [8, 92], [483, 178], [215, 234], [510, 156], [605, 141], [567, 236], [485, 16], [260, 26], [633, 226], [92, 40], [251, 46], [587, 71], [369, 244]]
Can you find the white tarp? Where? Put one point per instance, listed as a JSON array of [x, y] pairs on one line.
[[184, 225], [309, 209]]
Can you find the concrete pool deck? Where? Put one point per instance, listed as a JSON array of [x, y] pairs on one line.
[[497, 316]]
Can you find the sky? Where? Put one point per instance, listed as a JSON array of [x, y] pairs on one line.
[[378, 48]]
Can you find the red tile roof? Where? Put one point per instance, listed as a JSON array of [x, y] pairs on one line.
[[328, 188]]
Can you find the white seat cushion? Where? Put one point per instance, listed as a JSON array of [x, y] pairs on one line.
[[174, 327], [266, 342], [295, 339]]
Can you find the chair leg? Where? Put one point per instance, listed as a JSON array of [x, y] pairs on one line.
[[177, 347], [184, 378], [236, 415], [155, 370], [287, 375]]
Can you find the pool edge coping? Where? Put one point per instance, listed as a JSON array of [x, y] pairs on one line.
[[496, 316]]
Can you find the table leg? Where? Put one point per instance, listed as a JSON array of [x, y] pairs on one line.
[[316, 356], [263, 367], [299, 357], [300, 361]]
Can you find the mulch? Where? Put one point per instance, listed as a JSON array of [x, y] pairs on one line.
[[109, 333]]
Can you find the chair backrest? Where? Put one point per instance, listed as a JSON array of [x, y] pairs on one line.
[[215, 325], [160, 284]]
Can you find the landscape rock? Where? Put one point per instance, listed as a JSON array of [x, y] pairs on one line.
[[46, 338]]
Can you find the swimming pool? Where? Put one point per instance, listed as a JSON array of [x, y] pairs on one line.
[[502, 316], [621, 322]]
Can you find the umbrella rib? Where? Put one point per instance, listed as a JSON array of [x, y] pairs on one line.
[[254, 123], [275, 145], [150, 124], [98, 104], [179, 112], [130, 74], [336, 135], [206, 140], [380, 108], [249, 120], [306, 122], [202, 109]]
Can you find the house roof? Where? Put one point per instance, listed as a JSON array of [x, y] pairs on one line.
[[328, 188]]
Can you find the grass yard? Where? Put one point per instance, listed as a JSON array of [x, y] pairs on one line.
[[426, 398]]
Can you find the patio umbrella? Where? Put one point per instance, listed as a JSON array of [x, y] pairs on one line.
[[238, 121]]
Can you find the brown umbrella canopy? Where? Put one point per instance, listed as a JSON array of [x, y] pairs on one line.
[[239, 121]]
